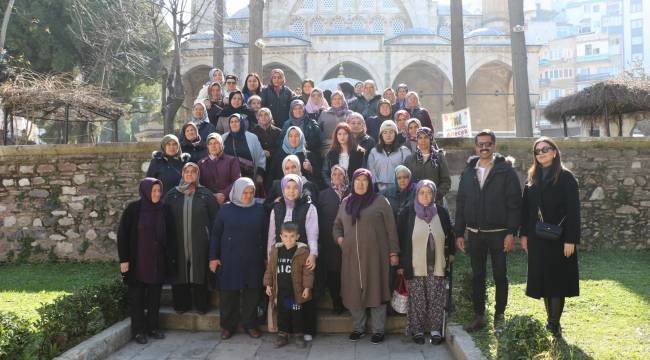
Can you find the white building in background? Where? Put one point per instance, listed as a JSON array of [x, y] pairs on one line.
[[636, 25], [389, 41]]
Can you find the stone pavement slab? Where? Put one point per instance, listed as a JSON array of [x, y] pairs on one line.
[[207, 345]]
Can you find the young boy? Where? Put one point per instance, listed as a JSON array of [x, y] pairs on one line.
[[288, 283]]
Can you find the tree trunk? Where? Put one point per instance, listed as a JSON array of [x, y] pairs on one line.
[[523, 115], [255, 32], [5, 23], [458, 55], [608, 132], [218, 53]]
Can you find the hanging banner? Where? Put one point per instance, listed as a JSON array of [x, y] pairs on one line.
[[457, 124]]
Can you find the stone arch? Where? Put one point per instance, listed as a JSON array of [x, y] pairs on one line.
[[350, 70], [193, 80], [353, 62], [490, 97], [504, 59], [293, 79], [432, 85]]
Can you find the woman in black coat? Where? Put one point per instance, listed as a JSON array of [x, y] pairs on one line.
[[145, 255], [344, 152], [192, 143], [166, 164], [294, 144], [551, 196], [329, 201]]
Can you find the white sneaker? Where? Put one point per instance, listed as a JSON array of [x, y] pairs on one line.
[[308, 337]]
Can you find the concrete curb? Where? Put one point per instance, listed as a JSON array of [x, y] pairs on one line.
[[461, 345], [101, 345]]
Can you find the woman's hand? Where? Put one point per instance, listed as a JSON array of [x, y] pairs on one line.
[[267, 154], [339, 240], [214, 265], [307, 165], [269, 291], [277, 199], [124, 267], [524, 243], [305, 293], [569, 249], [221, 198], [311, 262], [394, 260], [450, 259]]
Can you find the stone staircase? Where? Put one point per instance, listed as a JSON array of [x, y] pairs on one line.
[[328, 321]]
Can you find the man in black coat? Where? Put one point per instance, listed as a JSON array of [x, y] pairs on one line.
[[366, 104], [488, 206]]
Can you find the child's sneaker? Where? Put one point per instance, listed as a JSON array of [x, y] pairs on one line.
[[300, 341], [281, 340]]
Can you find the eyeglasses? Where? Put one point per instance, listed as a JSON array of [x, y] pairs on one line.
[[231, 82], [543, 150], [487, 144]]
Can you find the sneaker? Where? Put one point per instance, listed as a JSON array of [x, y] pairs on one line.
[[477, 323], [418, 339], [308, 337], [499, 321], [377, 338], [436, 338], [281, 340], [355, 335], [300, 341]]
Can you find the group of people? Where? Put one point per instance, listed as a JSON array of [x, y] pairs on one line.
[[263, 192]]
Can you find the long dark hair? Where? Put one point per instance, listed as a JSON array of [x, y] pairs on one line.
[[352, 144], [246, 90], [556, 167]]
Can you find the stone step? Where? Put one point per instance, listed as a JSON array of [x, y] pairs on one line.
[[328, 322], [325, 302]]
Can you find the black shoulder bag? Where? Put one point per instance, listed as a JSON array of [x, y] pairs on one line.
[[547, 231]]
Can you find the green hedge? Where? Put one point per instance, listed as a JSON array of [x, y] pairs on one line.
[[66, 322]]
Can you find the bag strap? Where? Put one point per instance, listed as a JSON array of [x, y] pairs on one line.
[[540, 204]]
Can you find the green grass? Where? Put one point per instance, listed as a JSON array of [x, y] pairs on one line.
[[25, 287], [609, 320]]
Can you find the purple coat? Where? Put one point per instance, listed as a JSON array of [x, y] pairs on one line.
[[219, 174]]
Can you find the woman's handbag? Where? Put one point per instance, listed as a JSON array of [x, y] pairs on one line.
[[399, 301], [548, 231]]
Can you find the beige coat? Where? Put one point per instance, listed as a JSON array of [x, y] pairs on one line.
[[365, 254]]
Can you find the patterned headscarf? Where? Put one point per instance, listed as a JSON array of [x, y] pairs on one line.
[[433, 149], [205, 113], [339, 111], [357, 202], [341, 189], [189, 188]]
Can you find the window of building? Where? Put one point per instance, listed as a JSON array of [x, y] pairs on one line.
[[588, 50], [367, 4], [636, 24], [235, 35], [398, 26], [636, 6], [317, 26], [570, 72], [637, 49], [613, 9], [596, 8], [585, 26], [357, 24], [636, 40], [328, 4], [308, 4], [378, 25], [348, 4], [298, 27], [556, 74], [389, 4], [338, 24]]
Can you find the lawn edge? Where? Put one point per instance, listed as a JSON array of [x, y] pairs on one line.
[[101, 345], [462, 345]]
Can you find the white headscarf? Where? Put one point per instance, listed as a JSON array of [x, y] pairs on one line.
[[238, 190]]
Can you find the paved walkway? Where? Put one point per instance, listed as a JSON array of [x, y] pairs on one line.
[[206, 345]]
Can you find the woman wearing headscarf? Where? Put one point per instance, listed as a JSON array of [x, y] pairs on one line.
[[166, 163], [236, 105], [277, 97], [316, 104], [294, 144], [298, 117], [192, 209], [401, 193], [384, 112], [412, 126], [365, 230], [344, 152], [306, 89], [298, 208], [401, 116], [386, 155], [245, 146], [329, 257], [192, 143], [218, 170], [333, 116], [215, 75], [427, 245], [201, 120], [214, 102], [237, 253], [142, 245], [358, 127], [552, 196], [290, 165], [252, 86], [416, 111], [270, 137], [429, 162], [348, 91]]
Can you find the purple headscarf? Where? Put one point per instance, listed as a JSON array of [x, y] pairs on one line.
[[426, 213], [341, 110], [146, 186], [152, 235], [283, 184], [357, 202]]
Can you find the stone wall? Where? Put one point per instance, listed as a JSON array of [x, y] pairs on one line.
[[64, 201]]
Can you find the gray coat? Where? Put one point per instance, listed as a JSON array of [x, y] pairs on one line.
[[192, 219], [383, 165], [439, 174]]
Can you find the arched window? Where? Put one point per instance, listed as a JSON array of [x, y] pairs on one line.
[[398, 26], [348, 4], [317, 26], [389, 4], [235, 35], [367, 4], [338, 24], [328, 4], [298, 27], [378, 25], [308, 4], [357, 24]]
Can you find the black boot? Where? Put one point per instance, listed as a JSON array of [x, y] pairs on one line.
[[556, 309], [547, 305]]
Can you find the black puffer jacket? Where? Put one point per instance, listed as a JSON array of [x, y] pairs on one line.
[[364, 107], [279, 105], [496, 206], [167, 170]]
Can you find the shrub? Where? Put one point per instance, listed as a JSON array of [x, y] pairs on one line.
[[523, 337], [73, 318], [15, 334]]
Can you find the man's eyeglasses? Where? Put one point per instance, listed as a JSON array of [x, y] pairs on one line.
[[230, 82], [487, 144], [543, 150]]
